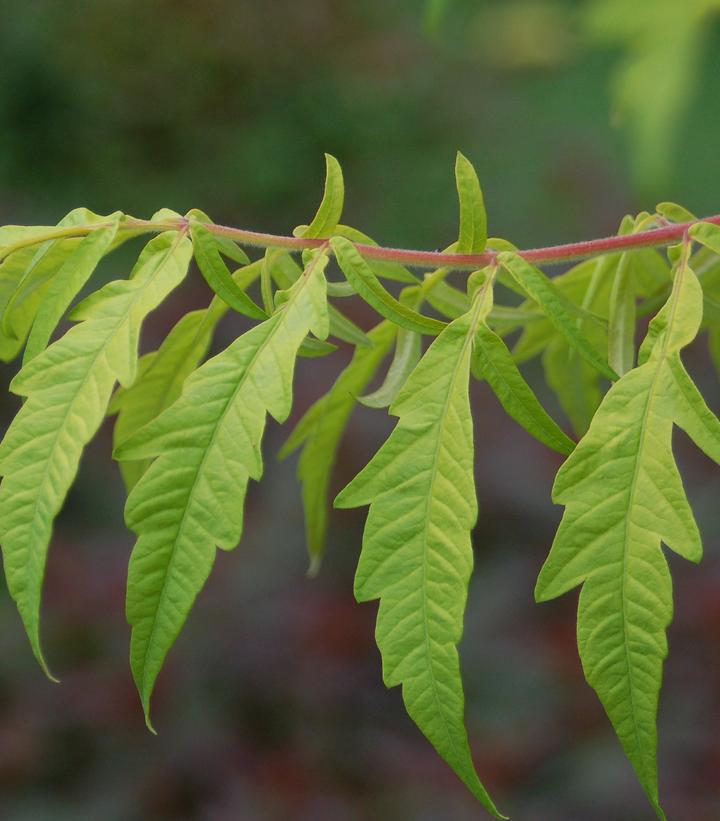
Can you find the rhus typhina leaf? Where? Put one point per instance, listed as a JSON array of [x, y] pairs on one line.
[[207, 443], [68, 387], [623, 497], [417, 556]]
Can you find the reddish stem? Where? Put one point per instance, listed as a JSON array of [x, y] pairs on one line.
[[468, 262]]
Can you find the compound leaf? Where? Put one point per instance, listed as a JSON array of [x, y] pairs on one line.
[[190, 500], [417, 555], [623, 496], [68, 388]]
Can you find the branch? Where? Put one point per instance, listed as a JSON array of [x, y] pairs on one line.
[[666, 235]]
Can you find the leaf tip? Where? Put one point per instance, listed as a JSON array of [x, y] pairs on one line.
[[145, 701], [314, 567]]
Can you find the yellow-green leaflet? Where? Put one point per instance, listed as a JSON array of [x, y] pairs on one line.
[[382, 268], [417, 556], [161, 373], [493, 362], [360, 275], [216, 273], [408, 349], [67, 283], [68, 387], [551, 300], [621, 315], [708, 234], [284, 270], [320, 430], [674, 212], [190, 500], [25, 279], [330, 209], [623, 497], [224, 245], [472, 238], [34, 273]]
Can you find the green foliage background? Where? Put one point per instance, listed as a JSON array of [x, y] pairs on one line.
[[276, 705]]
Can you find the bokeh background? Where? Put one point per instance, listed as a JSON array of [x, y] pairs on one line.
[[272, 705]]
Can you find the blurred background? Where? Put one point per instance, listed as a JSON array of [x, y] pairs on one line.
[[272, 704]]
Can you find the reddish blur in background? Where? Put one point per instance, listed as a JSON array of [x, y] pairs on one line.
[[272, 704]]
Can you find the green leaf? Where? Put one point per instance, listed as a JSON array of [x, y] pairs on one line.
[[35, 274], [67, 284], [493, 362], [329, 212], [217, 274], [15, 237], [417, 555], [542, 290], [447, 300], [190, 499], [266, 284], [12, 269], [667, 44], [623, 496], [26, 273], [68, 388], [674, 212], [708, 234], [343, 328], [408, 348], [162, 373], [224, 245], [473, 219], [621, 317], [361, 277], [340, 289], [575, 383], [320, 431], [284, 270], [382, 268], [315, 348]]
